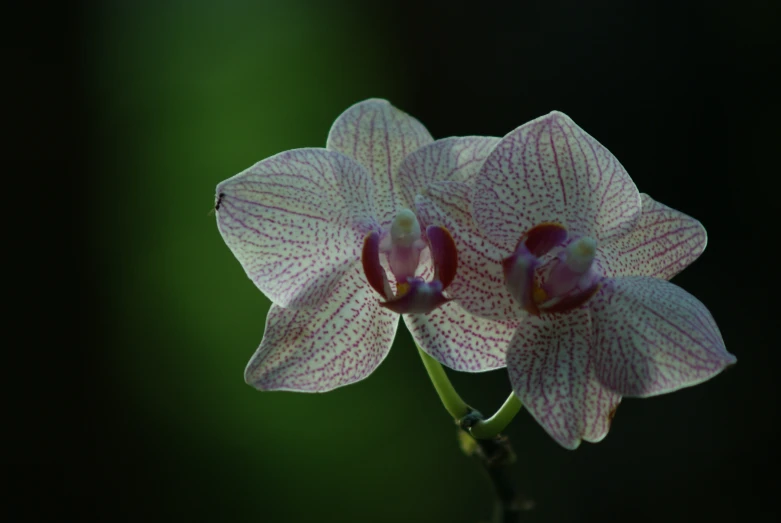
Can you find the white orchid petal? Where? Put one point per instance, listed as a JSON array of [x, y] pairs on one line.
[[653, 337], [663, 243], [552, 371], [460, 340], [379, 137], [550, 170], [317, 350], [296, 222], [450, 159]]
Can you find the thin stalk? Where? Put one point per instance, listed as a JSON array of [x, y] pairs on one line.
[[450, 398]]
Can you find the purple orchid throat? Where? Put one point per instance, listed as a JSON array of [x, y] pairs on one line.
[[563, 283], [402, 246]]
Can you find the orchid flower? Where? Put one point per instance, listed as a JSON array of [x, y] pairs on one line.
[[574, 254], [334, 238]]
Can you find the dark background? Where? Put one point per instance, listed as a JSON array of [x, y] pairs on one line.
[[131, 322]]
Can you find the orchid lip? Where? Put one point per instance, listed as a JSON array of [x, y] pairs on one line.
[[564, 284], [573, 301], [519, 270], [573, 268], [421, 297], [414, 295]]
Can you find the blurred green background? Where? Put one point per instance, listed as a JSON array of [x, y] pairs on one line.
[[188, 94], [184, 94]]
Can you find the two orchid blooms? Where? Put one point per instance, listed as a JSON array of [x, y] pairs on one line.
[[534, 251]]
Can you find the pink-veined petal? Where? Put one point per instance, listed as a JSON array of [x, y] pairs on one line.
[[379, 137], [479, 285], [662, 244], [652, 337], [460, 340], [317, 350], [553, 374], [450, 159], [296, 222], [550, 170]]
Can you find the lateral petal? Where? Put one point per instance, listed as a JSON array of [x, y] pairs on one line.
[[460, 340], [552, 371], [652, 337], [296, 222], [317, 350], [662, 243]]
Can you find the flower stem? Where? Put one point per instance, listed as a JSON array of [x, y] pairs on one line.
[[447, 393], [491, 427], [494, 451], [496, 455], [468, 419]]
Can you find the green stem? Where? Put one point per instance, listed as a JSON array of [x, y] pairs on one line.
[[450, 398], [491, 427], [496, 455], [494, 451]]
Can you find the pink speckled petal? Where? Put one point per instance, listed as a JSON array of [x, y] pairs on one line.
[[379, 137], [550, 170], [653, 337], [460, 340], [662, 244], [479, 285], [450, 159], [318, 350], [552, 372], [296, 222]]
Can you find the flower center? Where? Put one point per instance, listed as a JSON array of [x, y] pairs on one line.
[[563, 283], [402, 245]]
